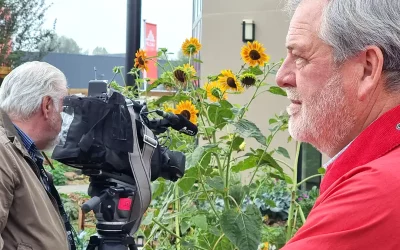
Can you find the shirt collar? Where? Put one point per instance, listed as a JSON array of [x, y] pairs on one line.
[[28, 143]]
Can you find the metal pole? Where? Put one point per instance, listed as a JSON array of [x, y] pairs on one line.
[[133, 27]]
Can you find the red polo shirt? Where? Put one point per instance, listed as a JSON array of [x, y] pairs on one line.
[[359, 205]]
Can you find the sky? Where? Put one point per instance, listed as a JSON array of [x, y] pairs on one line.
[[102, 23]]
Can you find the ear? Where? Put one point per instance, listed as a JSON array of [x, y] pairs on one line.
[[47, 106], [372, 64]]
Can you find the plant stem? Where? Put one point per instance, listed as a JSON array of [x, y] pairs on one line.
[[219, 239], [166, 229], [293, 192], [208, 197], [177, 209], [308, 178], [284, 163], [266, 148], [303, 218]]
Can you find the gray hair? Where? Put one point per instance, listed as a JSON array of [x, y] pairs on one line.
[[23, 90], [349, 26]]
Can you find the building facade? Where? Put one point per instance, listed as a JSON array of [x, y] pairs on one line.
[[218, 26]]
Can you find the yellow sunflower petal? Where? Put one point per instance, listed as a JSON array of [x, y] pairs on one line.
[[229, 81], [254, 54], [191, 46], [215, 91], [141, 61], [188, 110]]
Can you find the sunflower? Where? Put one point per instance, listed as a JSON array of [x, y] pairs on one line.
[[191, 46], [253, 54], [168, 108], [180, 75], [228, 81], [215, 91], [248, 79], [141, 60], [188, 110], [189, 70]]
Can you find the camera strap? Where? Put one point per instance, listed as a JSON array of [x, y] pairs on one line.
[[140, 162]]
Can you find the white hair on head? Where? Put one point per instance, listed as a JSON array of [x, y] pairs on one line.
[[24, 88]]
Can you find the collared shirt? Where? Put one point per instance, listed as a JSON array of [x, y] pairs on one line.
[[34, 153]]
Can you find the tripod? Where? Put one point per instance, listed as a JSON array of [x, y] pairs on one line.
[[111, 202]]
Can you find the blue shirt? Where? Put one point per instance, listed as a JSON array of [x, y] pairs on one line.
[[34, 154]]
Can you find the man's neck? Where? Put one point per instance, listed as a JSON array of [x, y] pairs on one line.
[[31, 128]]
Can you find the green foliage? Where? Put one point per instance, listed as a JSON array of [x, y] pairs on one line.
[[22, 21], [58, 172]]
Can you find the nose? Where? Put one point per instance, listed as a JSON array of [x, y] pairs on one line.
[[286, 76]]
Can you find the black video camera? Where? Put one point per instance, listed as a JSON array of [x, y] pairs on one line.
[[112, 140]]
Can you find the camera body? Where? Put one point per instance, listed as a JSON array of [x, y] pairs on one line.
[[113, 141]]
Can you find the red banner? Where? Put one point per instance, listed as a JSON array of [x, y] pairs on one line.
[[151, 50]]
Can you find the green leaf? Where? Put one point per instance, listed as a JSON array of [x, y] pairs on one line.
[[247, 128], [218, 115], [255, 70], [163, 99], [148, 219], [277, 91], [197, 60], [270, 203], [237, 142], [188, 180], [158, 188], [163, 50], [321, 170], [272, 121], [200, 221], [154, 85], [217, 183], [283, 152], [194, 157], [249, 162], [267, 159], [237, 192], [243, 228]]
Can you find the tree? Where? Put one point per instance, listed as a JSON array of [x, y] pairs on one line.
[[22, 37], [99, 51], [66, 45]]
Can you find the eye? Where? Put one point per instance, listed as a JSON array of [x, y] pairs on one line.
[[300, 62]]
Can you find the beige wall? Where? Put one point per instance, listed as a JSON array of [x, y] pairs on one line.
[[221, 38]]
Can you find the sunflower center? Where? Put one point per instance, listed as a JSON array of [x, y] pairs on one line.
[[254, 55], [141, 61], [231, 82], [186, 114], [216, 92], [180, 75], [248, 81]]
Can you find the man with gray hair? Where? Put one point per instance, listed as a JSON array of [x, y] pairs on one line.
[[342, 76], [31, 212]]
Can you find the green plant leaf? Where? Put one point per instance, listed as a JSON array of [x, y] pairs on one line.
[[195, 157], [158, 188], [148, 219], [283, 152], [255, 70], [249, 162], [154, 85], [267, 159], [277, 91], [218, 115], [237, 192], [200, 221], [243, 229], [247, 128], [216, 182], [237, 142], [197, 60], [272, 121], [321, 170], [188, 180]]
